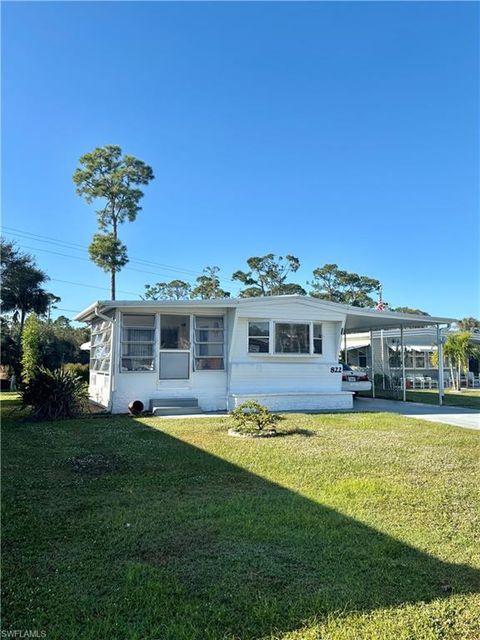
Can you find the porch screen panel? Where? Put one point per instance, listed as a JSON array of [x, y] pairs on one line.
[[138, 340], [100, 346], [209, 343]]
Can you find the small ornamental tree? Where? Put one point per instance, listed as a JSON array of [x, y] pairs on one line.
[[31, 354], [251, 417]]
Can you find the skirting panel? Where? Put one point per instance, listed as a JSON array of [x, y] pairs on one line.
[[296, 401]]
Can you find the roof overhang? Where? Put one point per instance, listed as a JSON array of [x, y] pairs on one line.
[[104, 306], [357, 319]]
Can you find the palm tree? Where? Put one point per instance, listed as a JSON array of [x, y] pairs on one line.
[[459, 348], [22, 280]]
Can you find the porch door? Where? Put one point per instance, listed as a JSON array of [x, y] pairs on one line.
[[174, 358]]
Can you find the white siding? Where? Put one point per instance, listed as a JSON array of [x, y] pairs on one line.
[[99, 388], [269, 373], [208, 386], [296, 401]]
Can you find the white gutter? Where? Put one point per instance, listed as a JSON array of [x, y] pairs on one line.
[[101, 315]]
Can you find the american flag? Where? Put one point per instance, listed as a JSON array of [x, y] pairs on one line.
[[380, 306]]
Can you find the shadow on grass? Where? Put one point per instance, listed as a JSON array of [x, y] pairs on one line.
[[307, 433], [254, 557], [190, 546]]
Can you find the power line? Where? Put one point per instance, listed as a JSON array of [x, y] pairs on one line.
[[68, 255], [92, 286], [78, 247]]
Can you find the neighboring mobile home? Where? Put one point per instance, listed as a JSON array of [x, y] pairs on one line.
[[280, 350], [420, 348]]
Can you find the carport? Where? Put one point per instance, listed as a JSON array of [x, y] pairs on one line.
[[360, 320]]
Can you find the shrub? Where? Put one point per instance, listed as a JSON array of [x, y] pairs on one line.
[[253, 417], [80, 370], [52, 395]]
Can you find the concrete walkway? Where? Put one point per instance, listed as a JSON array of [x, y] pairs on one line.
[[457, 416]]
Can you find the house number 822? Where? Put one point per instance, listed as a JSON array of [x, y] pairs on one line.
[[335, 369]]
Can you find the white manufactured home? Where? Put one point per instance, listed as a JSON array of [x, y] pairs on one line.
[[280, 350]]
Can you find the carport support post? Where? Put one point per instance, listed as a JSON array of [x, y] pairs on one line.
[[441, 383], [345, 347], [404, 380], [372, 362]]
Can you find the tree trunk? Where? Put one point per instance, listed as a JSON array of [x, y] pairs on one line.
[[453, 377], [22, 321], [113, 284], [113, 269]]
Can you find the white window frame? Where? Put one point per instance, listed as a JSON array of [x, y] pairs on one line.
[[152, 342], [105, 327], [194, 343], [271, 338]]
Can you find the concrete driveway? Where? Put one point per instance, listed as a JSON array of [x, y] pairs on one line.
[[457, 416]]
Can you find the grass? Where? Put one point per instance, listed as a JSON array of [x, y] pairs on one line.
[[353, 526], [468, 398]]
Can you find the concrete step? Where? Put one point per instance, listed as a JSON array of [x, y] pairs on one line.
[[173, 402], [175, 411]]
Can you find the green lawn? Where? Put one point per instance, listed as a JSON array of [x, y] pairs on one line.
[[352, 526], [469, 398]]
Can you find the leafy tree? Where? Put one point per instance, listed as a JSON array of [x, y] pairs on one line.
[[60, 343], [208, 285], [267, 276], [469, 324], [31, 356], [10, 346], [22, 283], [174, 290], [334, 284], [108, 253], [417, 312], [52, 304], [106, 175]]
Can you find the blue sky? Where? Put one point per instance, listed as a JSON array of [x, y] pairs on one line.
[[338, 132]]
